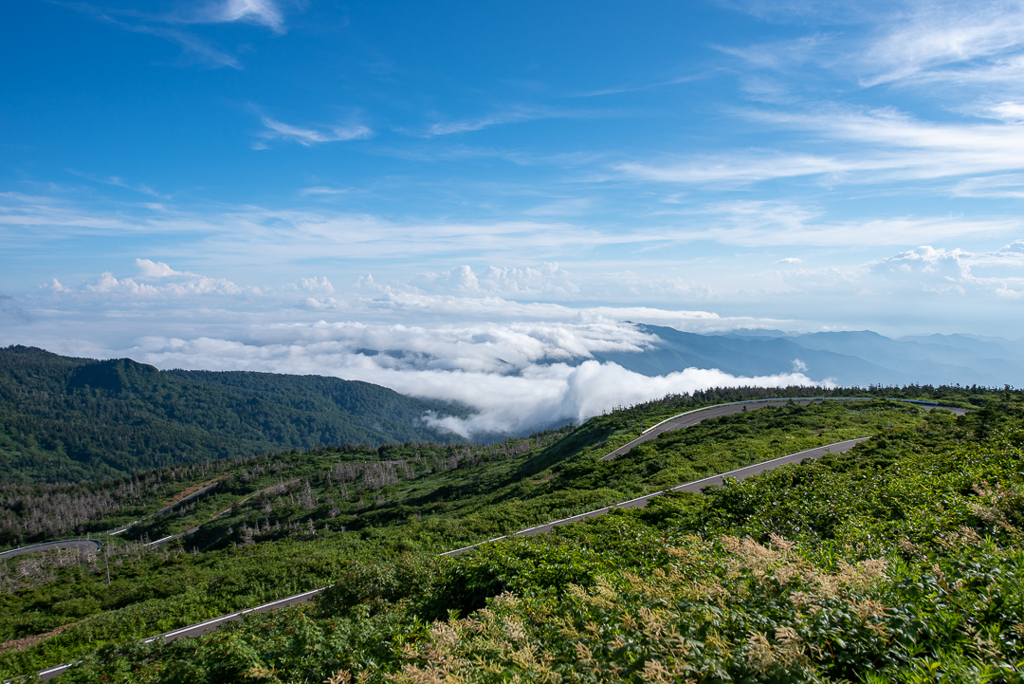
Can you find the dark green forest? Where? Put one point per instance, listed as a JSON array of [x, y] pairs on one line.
[[66, 419], [369, 521]]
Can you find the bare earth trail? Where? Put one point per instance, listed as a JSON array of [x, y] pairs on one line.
[[678, 422]]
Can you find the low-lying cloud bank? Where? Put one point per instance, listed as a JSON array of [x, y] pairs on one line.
[[516, 378], [459, 336]]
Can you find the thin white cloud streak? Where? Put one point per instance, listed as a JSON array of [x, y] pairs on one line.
[[908, 43], [264, 12], [323, 190], [276, 235], [515, 114], [1000, 185], [119, 182], [277, 130], [763, 224], [18, 210], [618, 90], [417, 305], [452, 127], [192, 45], [898, 148], [779, 55], [256, 236]]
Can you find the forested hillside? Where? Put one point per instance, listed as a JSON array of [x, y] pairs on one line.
[[68, 419], [371, 520]]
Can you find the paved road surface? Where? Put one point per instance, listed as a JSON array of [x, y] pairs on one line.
[[696, 486], [691, 418], [196, 630], [80, 544]]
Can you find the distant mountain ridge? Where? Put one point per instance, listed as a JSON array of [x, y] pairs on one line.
[[69, 419], [859, 358]]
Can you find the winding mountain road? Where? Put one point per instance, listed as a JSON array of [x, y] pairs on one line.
[[691, 418], [677, 422], [696, 486], [80, 544]]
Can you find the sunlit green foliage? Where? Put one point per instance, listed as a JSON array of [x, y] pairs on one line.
[[901, 561], [65, 419], [378, 544]]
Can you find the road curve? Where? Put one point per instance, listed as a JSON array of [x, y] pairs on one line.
[[697, 486], [639, 502], [691, 418], [674, 423], [80, 544]]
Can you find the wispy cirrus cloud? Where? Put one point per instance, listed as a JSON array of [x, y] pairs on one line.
[[753, 223], [507, 115], [1010, 185], [907, 42], [168, 26], [942, 41], [263, 12], [890, 146], [782, 54], [119, 182], [307, 137], [513, 115]]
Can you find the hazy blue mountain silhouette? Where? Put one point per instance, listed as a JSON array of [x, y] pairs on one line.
[[847, 358]]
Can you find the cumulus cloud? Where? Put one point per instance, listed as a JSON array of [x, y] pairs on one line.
[[316, 285], [547, 279], [957, 271], [155, 278], [156, 269]]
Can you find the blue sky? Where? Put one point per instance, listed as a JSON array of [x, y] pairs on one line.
[[240, 172]]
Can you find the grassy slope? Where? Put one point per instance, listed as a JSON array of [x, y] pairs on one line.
[[493, 490], [900, 561]]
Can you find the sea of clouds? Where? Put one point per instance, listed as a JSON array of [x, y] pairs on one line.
[[517, 378], [519, 365]]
